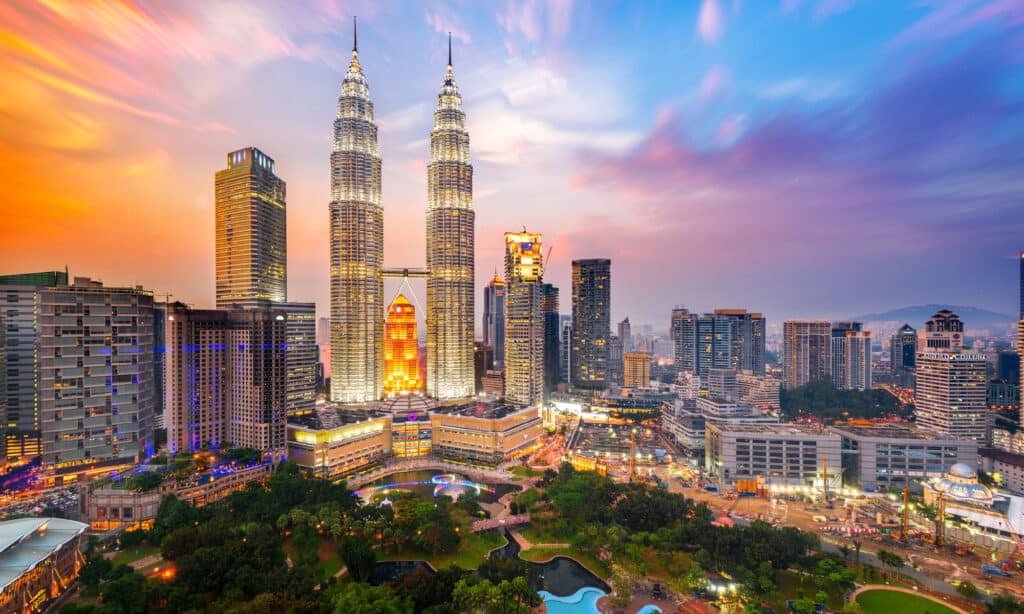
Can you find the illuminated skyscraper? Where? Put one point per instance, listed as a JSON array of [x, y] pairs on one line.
[[591, 322], [251, 235], [494, 319], [807, 351], [451, 224], [950, 395], [524, 322], [401, 348], [357, 247]]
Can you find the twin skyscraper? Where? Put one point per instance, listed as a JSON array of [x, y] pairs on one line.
[[357, 247]]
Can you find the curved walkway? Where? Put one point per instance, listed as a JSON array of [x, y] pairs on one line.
[[900, 589], [433, 464]]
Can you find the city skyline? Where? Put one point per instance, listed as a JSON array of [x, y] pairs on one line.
[[608, 177]]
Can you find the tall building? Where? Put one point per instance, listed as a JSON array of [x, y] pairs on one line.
[[566, 341], [524, 323], [626, 335], [903, 348], [683, 332], [636, 369], [944, 332], [251, 235], [746, 339], [159, 361], [950, 396], [401, 348], [451, 224], [591, 322], [357, 246], [552, 343], [714, 343], [20, 297], [807, 351], [226, 379], [616, 357], [494, 319], [301, 356], [1022, 286], [3, 388], [851, 356], [1020, 351], [96, 377], [723, 384], [323, 331]]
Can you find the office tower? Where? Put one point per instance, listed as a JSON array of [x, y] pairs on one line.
[[20, 296], [552, 351], [943, 333], [747, 339], [1022, 287], [613, 374], [950, 397], [483, 361], [566, 357], [494, 319], [226, 379], [357, 246], [451, 224], [96, 379], [903, 348], [851, 356], [301, 356], [591, 322], [626, 335], [3, 388], [723, 384], [683, 333], [401, 348], [323, 331], [714, 343], [251, 237], [636, 370], [524, 323], [1020, 350], [159, 361], [1008, 367], [807, 352]]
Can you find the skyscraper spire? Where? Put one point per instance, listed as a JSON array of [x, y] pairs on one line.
[[449, 51], [355, 37]]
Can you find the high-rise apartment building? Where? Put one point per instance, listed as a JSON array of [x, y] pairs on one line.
[[626, 335], [591, 322], [1021, 287], [613, 375], [851, 356], [807, 351], [3, 387], [300, 357], [552, 342], [944, 332], [251, 234], [566, 342], [494, 319], [524, 323], [226, 379], [1020, 352], [401, 348], [451, 224], [714, 343], [746, 339], [356, 246], [683, 333], [96, 378], [950, 396], [636, 369]]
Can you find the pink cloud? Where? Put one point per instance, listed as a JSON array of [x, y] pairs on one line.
[[710, 23], [714, 82], [213, 127], [729, 129]]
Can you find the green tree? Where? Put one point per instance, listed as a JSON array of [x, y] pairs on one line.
[[358, 598], [967, 590], [359, 558], [125, 595], [95, 569]]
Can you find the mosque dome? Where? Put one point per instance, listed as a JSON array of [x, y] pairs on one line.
[[961, 483]]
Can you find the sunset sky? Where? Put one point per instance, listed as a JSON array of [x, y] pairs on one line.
[[801, 158]]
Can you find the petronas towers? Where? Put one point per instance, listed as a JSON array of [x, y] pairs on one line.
[[357, 248]]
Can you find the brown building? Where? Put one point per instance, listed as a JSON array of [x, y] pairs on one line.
[[486, 433], [335, 443], [636, 369]]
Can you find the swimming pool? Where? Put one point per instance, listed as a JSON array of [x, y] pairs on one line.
[[583, 601], [649, 609]]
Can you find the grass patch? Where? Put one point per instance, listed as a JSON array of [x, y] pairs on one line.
[[790, 585], [135, 553], [472, 551], [526, 472], [881, 601]]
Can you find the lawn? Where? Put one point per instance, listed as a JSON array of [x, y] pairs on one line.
[[788, 585], [882, 602], [526, 472], [130, 555], [472, 551]]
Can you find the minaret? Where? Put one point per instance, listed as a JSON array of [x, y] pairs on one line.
[[357, 245], [450, 248]]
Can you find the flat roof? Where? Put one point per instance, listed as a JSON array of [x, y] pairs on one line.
[[890, 431], [489, 410], [772, 428], [331, 417], [1003, 456], [26, 542]]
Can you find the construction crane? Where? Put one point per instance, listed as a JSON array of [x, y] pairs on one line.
[[940, 520], [906, 513]]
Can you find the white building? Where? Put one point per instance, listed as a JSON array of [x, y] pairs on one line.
[[782, 454], [950, 397]]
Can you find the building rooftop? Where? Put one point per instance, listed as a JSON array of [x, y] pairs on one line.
[[489, 410], [332, 417], [1003, 456], [408, 402], [26, 542], [890, 431], [773, 429]]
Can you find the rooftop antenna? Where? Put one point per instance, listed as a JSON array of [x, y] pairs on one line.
[[355, 37], [449, 50]]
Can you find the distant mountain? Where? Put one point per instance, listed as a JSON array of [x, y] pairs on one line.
[[974, 318]]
